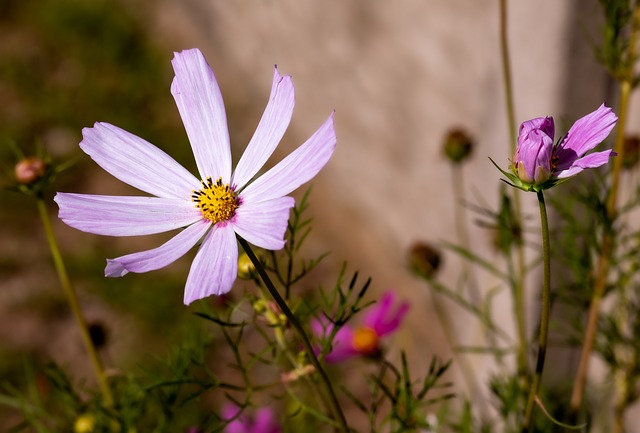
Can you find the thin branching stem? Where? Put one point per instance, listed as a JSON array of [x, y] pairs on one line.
[[544, 316], [72, 299], [335, 405]]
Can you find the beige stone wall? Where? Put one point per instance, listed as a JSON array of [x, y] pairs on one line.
[[399, 74]]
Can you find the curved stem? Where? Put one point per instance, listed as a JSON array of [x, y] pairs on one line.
[[335, 405], [544, 315], [72, 299]]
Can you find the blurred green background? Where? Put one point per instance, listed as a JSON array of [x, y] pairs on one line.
[[65, 64]]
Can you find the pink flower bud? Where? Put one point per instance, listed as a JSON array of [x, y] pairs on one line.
[[30, 170], [532, 161]]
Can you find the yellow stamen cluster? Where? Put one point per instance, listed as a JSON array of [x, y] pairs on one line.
[[365, 340], [216, 201]]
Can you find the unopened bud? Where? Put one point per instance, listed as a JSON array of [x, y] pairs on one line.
[[260, 306], [30, 170], [84, 424], [296, 374], [274, 315], [424, 259], [631, 152], [458, 145], [98, 334]]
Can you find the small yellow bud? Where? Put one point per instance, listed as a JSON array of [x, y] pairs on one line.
[[84, 424], [260, 306], [246, 269]]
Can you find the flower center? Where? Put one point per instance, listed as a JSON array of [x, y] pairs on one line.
[[365, 340], [554, 162], [216, 201]]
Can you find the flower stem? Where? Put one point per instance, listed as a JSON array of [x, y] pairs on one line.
[[506, 71], [468, 373], [602, 271], [519, 282], [335, 405], [544, 315], [72, 299]]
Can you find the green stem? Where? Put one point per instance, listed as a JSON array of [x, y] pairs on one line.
[[506, 71], [335, 405], [602, 271], [519, 286], [73, 304], [463, 232], [468, 373], [544, 315]]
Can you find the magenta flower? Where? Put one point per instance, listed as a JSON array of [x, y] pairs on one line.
[[216, 206], [262, 421], [381, 320], [539, 164]]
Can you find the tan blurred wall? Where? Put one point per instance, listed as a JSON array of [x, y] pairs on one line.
[[399, 75]]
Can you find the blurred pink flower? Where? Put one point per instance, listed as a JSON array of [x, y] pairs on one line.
[[380, 320], [262, 421], [216, 206]]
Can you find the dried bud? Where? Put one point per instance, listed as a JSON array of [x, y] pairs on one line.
[[246, 268], [457, 145], [30, 170], [631, 151], [98, 335], [424, 259]]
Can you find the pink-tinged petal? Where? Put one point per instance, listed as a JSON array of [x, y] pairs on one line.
[[535, 146], [342, 346], [297, 168], [125, 216], [160, 257], [232, 412], [264, 224], [137, 162], [229, 411], [271, 128], [584, 135], [382, 319], [215, 267], [593, 160], [200, 104], [264, 421], [236, 426], [545, 124]]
